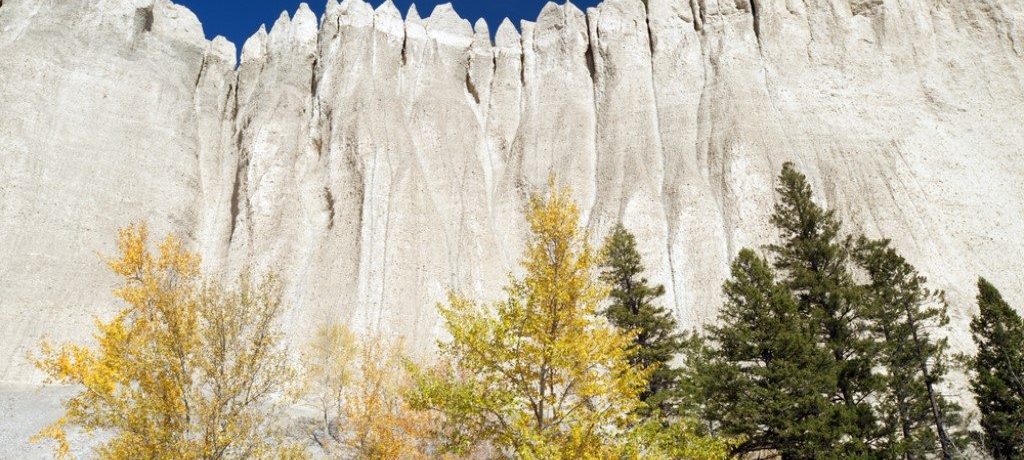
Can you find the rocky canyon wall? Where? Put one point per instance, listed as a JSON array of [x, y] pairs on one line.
[[376, 159]]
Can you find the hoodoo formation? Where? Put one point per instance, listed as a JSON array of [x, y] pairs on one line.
[[375, 159]]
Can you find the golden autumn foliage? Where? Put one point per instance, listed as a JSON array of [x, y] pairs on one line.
[[191, 369], [539, 374], [188, 369], [383, 423], [358, 387], [328, 368]]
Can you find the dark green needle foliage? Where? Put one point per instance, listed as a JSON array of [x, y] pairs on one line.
[[761, 376], [813, 262], [633, 309], [827, 348], [998, 373], [903, 312]]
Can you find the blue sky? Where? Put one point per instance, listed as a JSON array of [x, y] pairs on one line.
[[238, 19]]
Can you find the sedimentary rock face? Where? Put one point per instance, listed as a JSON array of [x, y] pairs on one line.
[[376, 161]]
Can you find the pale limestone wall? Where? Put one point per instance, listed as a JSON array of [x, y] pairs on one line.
[[374, 161]]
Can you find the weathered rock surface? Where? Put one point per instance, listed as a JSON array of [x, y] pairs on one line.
[[376, 161]]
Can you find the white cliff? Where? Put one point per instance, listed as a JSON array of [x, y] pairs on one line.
[[376, 161]]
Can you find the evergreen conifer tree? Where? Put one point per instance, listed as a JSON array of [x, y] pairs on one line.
[[814, 264], [998, 373], [760, 376], [657, 340], [902, 311]]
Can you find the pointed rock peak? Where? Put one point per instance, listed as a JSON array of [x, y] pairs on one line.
[[280, 33], [551, 17], [507, 36], [388, 8], [414, 14], [304, 10], [388, 19], [224, 50], [444, 9], [256, 46], [331, 11], [561, 20], [357, 12], [482, 36], [284, 18], [281, 26], [445, 13], [549, 8], [505, 24], [304, 26], [480, 28], [444, 20], [414, 28], [552, 9]]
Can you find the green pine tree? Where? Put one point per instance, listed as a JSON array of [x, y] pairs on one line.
[[814, 264], [998, 373], [758, 374], [902, 311], [657, 339]]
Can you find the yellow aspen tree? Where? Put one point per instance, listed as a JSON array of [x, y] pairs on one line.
[[358, 388], [381, 420], [328, 368], [187, 370], [539, 374]]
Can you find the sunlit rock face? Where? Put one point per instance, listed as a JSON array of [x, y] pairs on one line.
[[376, 159]]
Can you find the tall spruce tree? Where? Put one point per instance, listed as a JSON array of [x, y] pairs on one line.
[[814, 264], [902, 311], [657, 339], [998, 373], [760, 376]]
